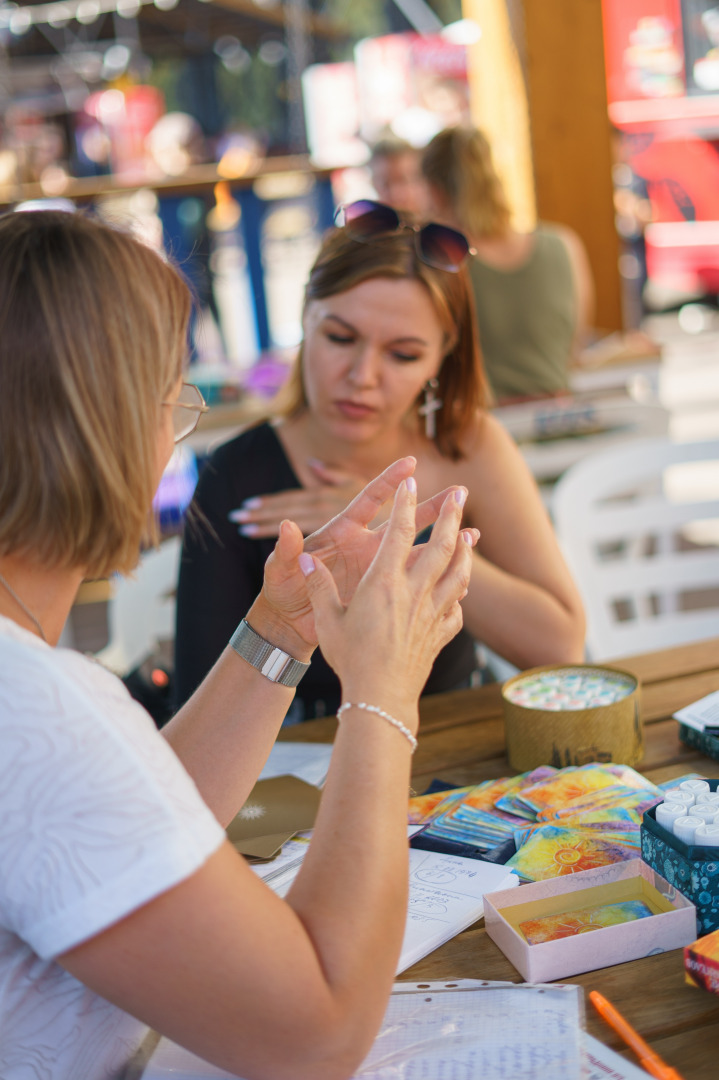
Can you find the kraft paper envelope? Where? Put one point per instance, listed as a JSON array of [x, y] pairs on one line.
[[274, 812]]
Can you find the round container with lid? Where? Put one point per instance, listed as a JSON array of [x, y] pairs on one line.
[[571, 714]]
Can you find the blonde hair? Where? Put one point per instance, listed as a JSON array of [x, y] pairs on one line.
[[344, 262], [93, 329], [458, 162]]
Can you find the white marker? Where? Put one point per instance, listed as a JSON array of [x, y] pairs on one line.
[[681, 795], [707, 835], [686, 827], [668, 812], [697, 787]]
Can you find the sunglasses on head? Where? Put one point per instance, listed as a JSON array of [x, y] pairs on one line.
[[436, 245]]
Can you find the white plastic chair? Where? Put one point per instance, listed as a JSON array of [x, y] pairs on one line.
[[639, 526], [141, 612], [555, 433]]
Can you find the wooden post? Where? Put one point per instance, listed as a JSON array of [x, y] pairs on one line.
[[498, 99], [571, 135]]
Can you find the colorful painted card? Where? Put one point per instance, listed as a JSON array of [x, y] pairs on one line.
[[612, 819], [521, 834], [582, 921], [423, 808], [486, 796], [483, 829], [470, 815], [618, 797], [597, 802], [567, 785], [628, 776], [510, 802], [552, 851]]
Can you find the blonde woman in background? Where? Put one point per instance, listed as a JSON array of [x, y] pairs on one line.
[[533, 291]]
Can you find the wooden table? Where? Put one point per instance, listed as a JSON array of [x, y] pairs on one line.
[[462, 741]]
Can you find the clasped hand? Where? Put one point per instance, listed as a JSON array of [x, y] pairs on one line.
[[308, 507]]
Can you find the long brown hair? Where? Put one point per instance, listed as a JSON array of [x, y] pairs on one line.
[[458, 161], [93, 329], [343, 263]]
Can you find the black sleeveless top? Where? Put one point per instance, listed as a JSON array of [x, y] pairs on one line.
[[221, 574]]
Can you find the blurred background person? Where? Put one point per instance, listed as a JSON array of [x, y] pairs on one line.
[[533, 292], [396, 170], [389, 366]]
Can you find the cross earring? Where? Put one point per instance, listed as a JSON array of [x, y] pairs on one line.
[[431, 405]]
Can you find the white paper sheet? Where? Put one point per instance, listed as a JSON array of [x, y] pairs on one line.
[[601, 1063], [446, 894], [701, 714], [466, 1030], [309, 761], [474, 1030]]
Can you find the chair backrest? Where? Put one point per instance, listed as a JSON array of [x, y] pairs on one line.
[[555, 433], [142, 610], [639, 527]]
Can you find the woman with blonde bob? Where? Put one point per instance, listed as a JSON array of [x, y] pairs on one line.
[[533, 291], [389, 366], [122, 905]]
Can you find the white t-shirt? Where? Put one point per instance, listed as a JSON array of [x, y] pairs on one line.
[[97, 816]]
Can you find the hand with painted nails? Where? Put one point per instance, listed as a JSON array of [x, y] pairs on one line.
[[346, 545], [309, 507], [404, 608]]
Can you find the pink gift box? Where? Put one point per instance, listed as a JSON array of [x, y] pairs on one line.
[[672, 925]]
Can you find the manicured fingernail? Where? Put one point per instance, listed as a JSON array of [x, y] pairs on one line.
[[252, 504], [248, 530], [307, 563], [411, 485], [461, 496], [315, 461], [467, 537], [238, 515]]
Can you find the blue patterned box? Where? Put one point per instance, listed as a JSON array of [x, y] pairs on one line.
[[693, 870]]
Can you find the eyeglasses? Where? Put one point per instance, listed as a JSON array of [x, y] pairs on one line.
[[436, 245], [187, 410]]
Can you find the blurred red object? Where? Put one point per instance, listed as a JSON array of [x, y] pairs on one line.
[[128, 116]]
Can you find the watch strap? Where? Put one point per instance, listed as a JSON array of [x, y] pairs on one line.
[[275, 664]]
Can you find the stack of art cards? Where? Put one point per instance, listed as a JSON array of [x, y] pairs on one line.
[[472, 815], [586, 817], [561, 820]]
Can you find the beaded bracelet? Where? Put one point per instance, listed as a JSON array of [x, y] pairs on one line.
[[385, 716]]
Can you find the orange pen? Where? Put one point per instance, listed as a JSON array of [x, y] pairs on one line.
[[647, 1058]]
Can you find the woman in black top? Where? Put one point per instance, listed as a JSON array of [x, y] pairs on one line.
[[389, 366]]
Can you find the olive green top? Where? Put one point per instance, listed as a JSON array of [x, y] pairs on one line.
[[527, 319]]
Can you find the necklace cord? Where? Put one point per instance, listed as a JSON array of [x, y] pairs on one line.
[[33, 619]]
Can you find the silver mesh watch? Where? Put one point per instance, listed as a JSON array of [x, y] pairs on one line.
[[273, 663]]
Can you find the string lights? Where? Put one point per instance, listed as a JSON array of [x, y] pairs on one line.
[[18, 20]]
